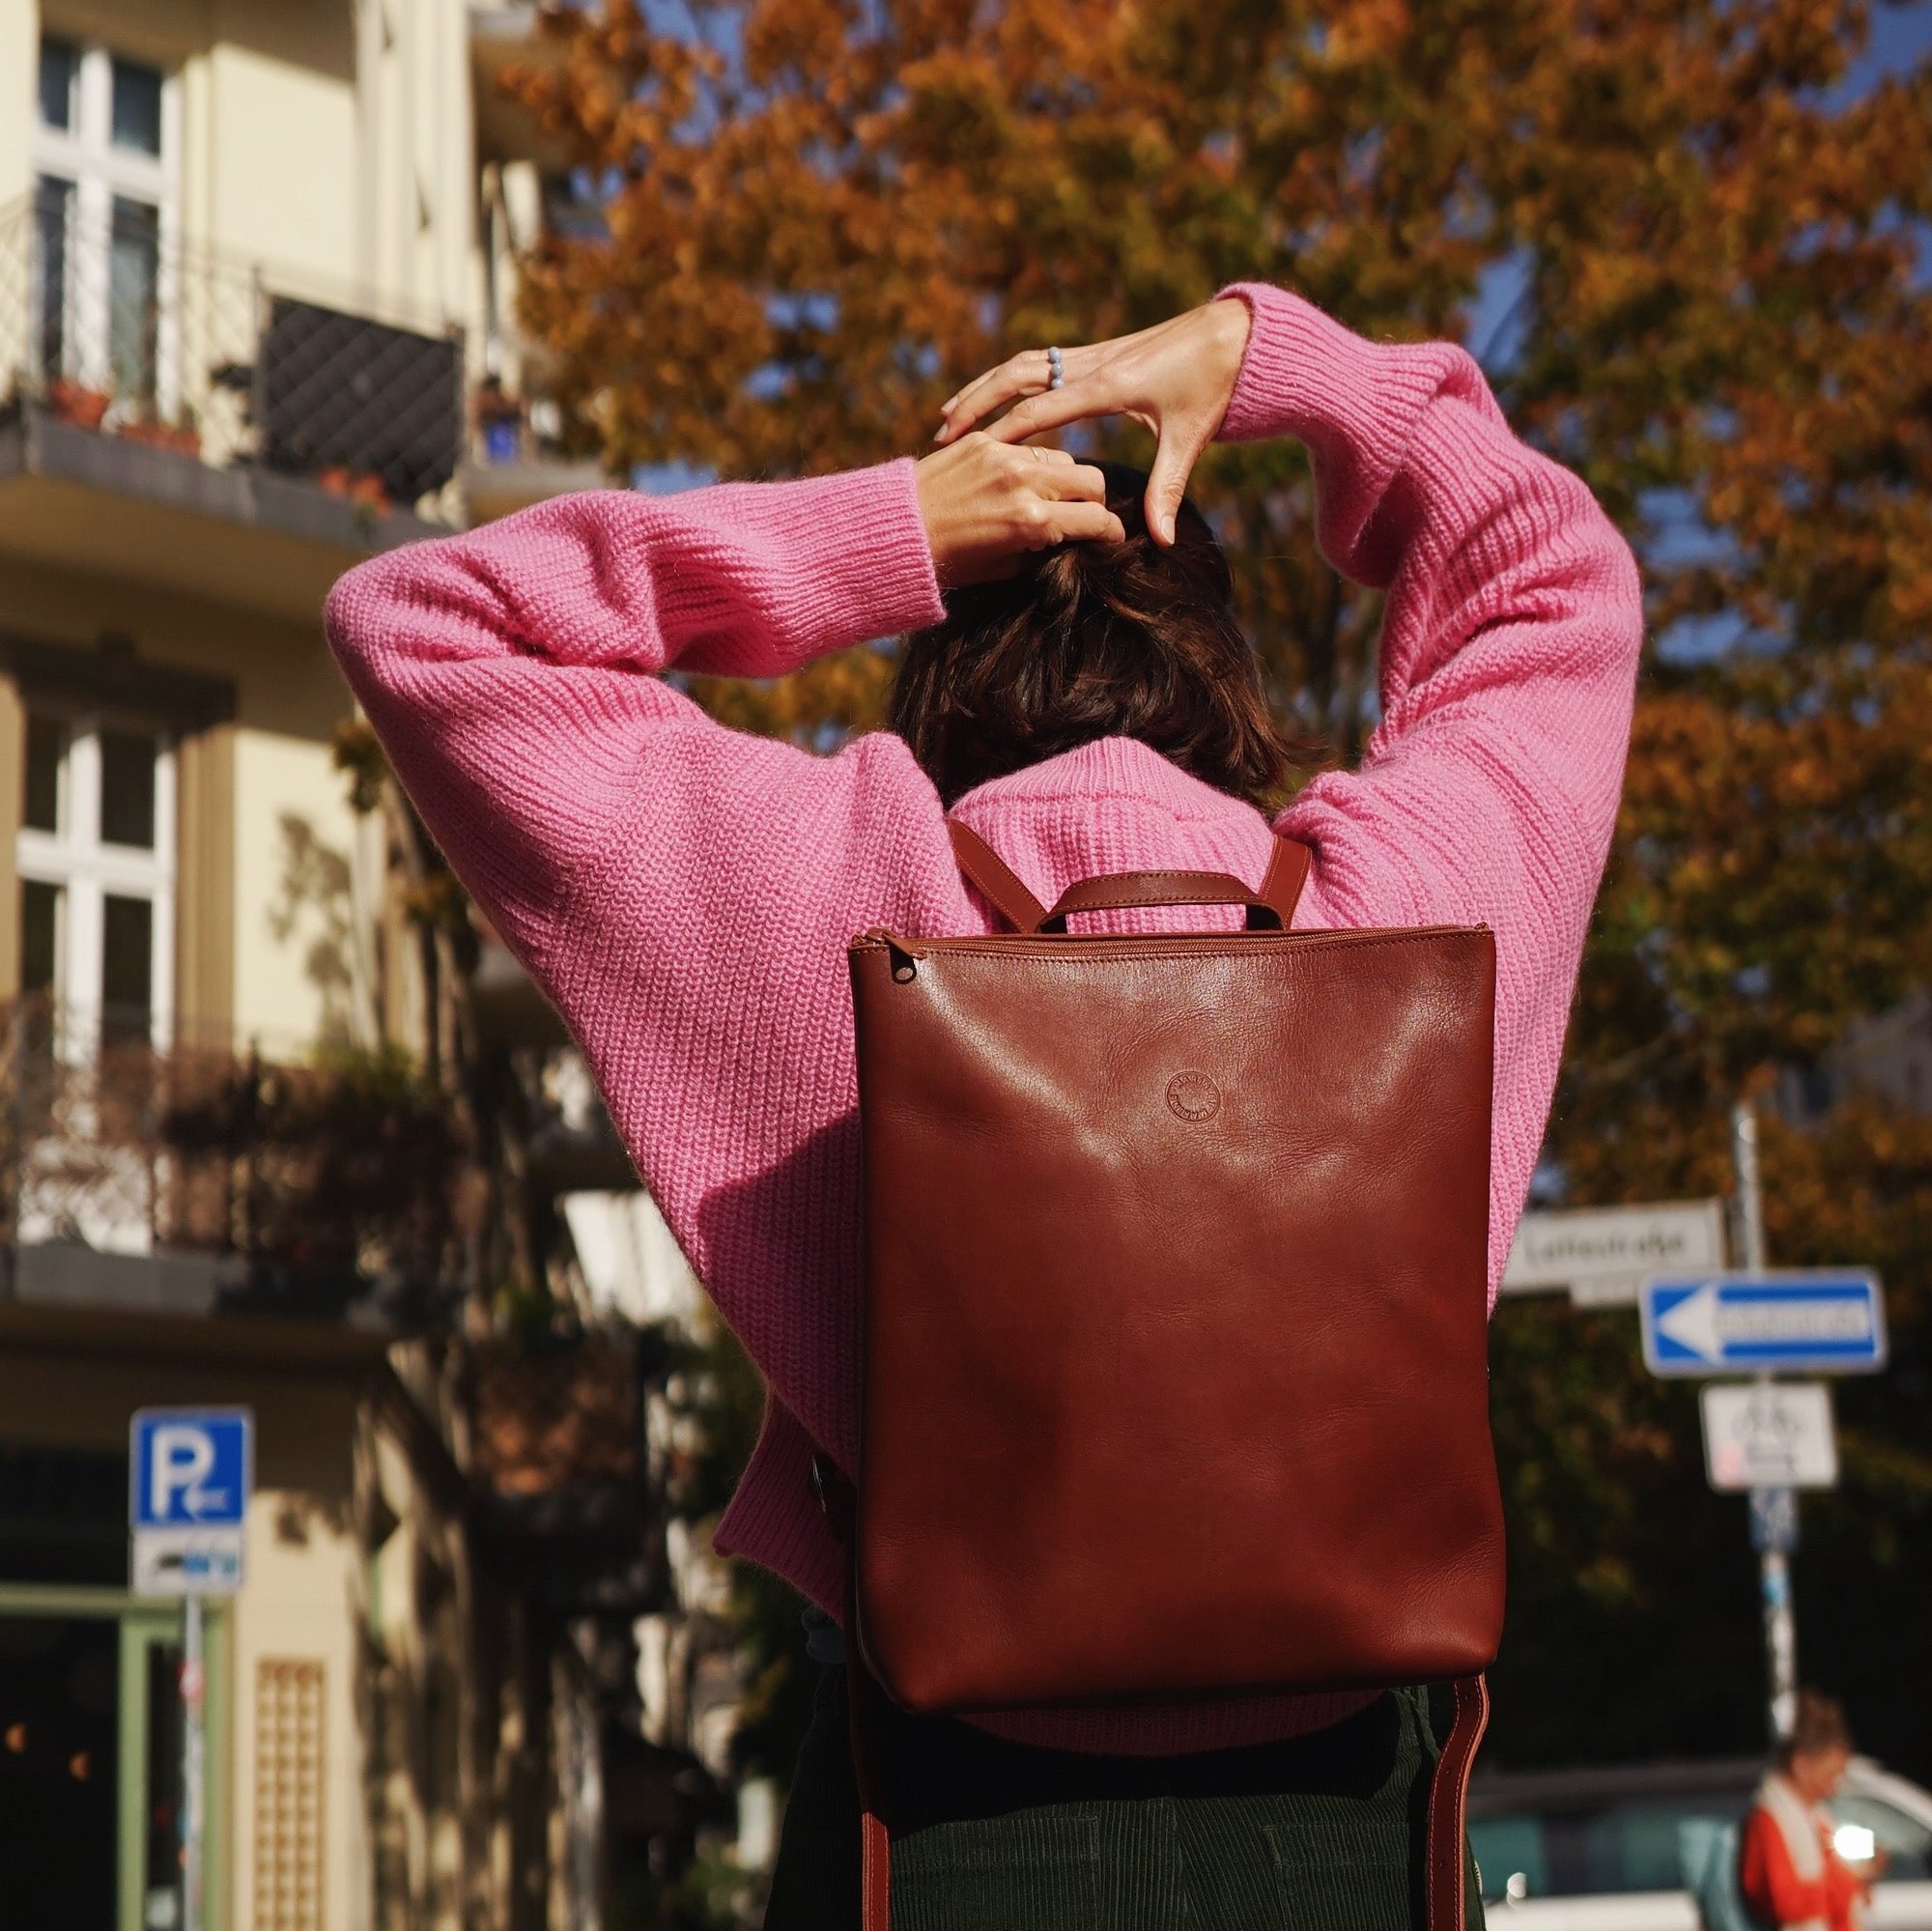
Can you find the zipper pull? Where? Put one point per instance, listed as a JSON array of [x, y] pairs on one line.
[[905, 967]]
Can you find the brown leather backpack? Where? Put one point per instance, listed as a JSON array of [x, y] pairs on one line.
[[1176, 1315]]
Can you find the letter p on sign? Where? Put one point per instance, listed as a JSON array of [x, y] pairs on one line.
[[183, 1461]]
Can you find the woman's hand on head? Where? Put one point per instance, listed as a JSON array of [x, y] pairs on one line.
[[987, 501], [1175, 379]]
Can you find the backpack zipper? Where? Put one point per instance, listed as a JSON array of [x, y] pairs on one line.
[[904, 963]]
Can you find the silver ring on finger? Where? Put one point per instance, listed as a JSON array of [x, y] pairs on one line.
[[1057, 370]]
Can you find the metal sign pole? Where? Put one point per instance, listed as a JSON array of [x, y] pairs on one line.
[[1750, 1193], [1780, 1627], [1774, 1512], [193, 1688], [190, 1473]]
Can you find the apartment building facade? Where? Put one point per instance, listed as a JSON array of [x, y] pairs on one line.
[[253, 274]]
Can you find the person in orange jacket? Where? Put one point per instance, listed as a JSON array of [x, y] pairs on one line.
[[1791, 1874]]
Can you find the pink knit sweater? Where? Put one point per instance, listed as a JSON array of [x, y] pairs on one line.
[[685, 894]]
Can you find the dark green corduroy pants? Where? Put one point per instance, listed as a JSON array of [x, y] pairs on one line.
[[1319, 1833]]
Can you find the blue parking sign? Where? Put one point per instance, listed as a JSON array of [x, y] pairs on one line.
[[191, 1467]]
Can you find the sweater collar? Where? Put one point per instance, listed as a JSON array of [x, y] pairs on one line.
[[1112, 767]]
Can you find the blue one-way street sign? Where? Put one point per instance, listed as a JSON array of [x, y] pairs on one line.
[[1827, 1322]]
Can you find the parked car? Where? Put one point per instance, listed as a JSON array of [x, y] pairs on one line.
[[1601, 1850]]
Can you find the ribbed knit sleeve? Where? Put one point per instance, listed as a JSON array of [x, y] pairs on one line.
[[1510, 639], [683, 892], [507, 670]]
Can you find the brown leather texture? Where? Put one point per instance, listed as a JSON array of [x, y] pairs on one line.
[[1174, 1332]]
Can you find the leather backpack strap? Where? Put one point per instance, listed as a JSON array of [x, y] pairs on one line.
[[1448, 1805], [1271, 905], [876, 1845], [1287, 874], [840, 1501], [997, 881], [875, 1873]]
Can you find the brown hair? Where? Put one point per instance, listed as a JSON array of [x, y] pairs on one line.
[[1092, 640], [1819, 1726]]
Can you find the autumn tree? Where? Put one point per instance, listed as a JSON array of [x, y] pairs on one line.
[[1692, 230]]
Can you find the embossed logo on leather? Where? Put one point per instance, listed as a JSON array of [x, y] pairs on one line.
[[1193, 1096]]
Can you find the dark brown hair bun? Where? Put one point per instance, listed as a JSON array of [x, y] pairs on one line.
[[1092, 640]]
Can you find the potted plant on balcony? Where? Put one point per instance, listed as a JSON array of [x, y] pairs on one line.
[[75, 402], [183, 437], [367, 492]]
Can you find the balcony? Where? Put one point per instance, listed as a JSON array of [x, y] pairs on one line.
[[250, 440], [186, 1181]]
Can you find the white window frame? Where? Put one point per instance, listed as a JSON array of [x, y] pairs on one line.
[[84, 156], [87, 871]]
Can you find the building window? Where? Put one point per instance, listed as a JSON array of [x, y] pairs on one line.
[[135, 119], [95, 861], [60, 66], [104, 164]]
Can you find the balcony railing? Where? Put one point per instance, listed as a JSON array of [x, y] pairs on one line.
[[349, 1172], [113, 327]]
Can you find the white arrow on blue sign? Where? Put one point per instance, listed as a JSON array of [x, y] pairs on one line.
[[1823, 1322], [191, 1467]]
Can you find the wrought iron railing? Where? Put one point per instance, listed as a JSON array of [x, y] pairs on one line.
[[110, 324], [353, 1167]]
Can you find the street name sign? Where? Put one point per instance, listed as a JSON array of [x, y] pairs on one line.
[[190, 1471], [1768, 1435], [1823, 1322], [1602, 1254]]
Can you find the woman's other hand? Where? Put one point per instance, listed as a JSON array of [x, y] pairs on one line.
[[985, 503], [1175, 379]]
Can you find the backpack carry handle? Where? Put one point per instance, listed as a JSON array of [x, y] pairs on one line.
[[1269, 909], [1122, 889]]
